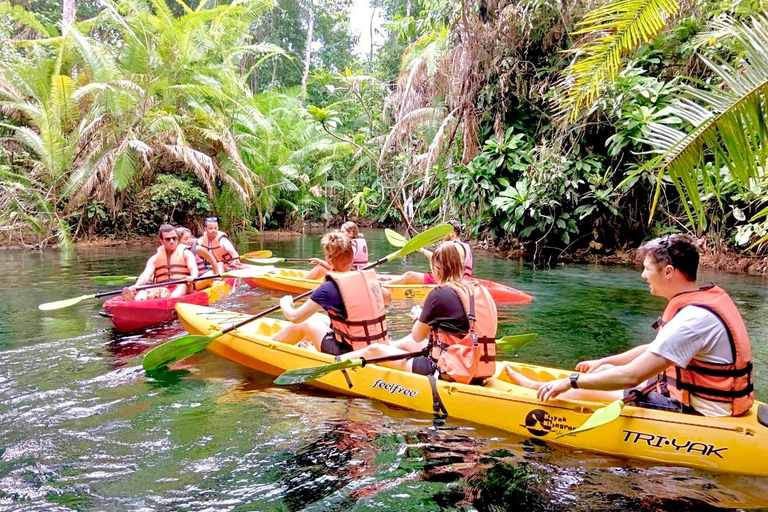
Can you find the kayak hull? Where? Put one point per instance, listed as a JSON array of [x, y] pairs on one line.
[[127, 316], [294, 281], [730, 445]]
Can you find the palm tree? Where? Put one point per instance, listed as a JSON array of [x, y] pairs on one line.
[[728, 120]]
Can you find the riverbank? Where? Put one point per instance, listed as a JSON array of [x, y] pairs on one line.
[[715, 258]]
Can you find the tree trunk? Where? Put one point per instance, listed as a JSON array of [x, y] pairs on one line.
[[308, 47], [68, 14]]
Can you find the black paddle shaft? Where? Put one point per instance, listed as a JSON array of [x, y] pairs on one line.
[[276, 308], [157, 285], [395, 357], [263, 313]]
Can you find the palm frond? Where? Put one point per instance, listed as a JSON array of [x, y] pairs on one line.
[[613, 31], [730, 122]]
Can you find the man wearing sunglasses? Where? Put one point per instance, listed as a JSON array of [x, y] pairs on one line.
[[217, 243], [171, 261], [700, 361]]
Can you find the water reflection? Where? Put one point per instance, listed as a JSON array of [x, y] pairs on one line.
[[83, 427]]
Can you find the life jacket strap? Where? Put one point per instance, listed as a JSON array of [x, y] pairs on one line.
[[437, 404], [702, 390]]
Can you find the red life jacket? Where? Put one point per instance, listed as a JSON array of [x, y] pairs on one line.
[[175, 269], [468, 260], [363, 298], [361, 251], [729, 383], [215, 248], [470, 356]]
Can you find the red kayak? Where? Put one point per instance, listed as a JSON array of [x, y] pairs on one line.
[[132, 315]]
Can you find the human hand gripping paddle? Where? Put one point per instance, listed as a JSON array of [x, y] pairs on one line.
[[302, 375], [175, 350], [610, 412], [241, 273], [124, 279]]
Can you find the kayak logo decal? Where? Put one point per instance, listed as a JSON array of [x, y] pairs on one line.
[[409, 293], [664, 442], [540, 423], [394, 389]]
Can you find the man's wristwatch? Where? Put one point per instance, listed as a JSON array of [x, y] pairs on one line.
[[574, 378]]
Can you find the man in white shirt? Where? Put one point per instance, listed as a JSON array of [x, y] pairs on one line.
[[700, 360]]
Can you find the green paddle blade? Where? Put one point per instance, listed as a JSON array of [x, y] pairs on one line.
[[113, 279], [176, 350], [301, 375], [394, 238], [424, 239], [264, 261], [48, 306], [257, 254], [599, 418], [516, 341]]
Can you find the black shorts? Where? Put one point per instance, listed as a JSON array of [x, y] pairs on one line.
[[656, 400], [422, 365], [329, 345]]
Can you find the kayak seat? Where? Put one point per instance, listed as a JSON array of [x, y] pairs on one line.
[[762, 414]]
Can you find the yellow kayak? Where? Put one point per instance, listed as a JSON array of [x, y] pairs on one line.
[[732, 445], [295, 281]]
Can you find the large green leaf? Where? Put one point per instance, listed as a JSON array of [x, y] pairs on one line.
[[611, 32], [728, 122]]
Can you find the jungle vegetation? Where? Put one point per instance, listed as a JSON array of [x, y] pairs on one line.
[[573, 127]]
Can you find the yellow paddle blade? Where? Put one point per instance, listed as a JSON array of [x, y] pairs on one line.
[[60, 304], [394, 238], [257, 254], [516, 341], [599, 418], [424, 239]]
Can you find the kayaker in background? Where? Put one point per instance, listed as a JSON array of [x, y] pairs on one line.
[[359, 244], [354, 300], [202, 256], [443, 328], [359, 249], [701, 359], [465, 252], [171, 261], [217, 243]]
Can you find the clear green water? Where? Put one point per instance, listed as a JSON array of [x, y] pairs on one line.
[[82, 427]]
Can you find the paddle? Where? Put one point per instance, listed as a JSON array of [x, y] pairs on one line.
[[394, 238], [257, 254], [112, 279], [178, 349], [610, 412], [241, 273], [123, 279], [272, 261], [302, 375], [516, 341]]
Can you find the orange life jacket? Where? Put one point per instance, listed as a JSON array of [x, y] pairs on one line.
[[363, 299], [471, 356], [215, 248], [361, 251], [169, 270], [468, 260], [729, 383]]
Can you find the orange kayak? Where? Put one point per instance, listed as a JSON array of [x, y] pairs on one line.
[[295, 281]]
